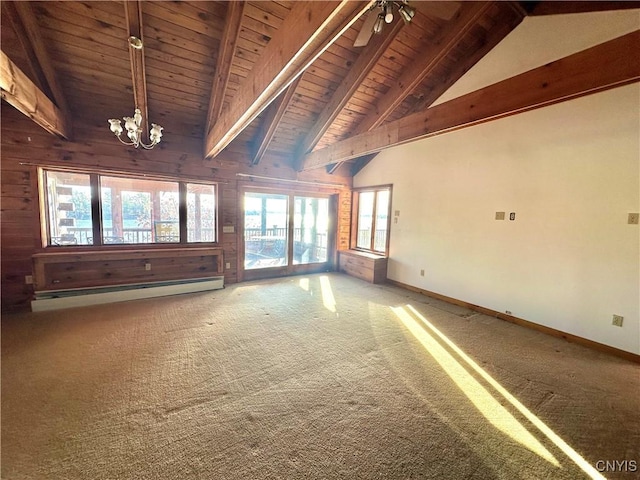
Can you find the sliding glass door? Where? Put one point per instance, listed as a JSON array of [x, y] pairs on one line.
[[310, 230], [285, 234], [266, 219]]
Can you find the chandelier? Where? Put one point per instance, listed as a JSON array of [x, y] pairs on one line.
[[133, 124], [134, 131]]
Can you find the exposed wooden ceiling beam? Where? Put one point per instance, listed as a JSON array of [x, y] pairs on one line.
[[608, 65], [133, 15], [18, 90], [494, 36], [37, 43], [273, 115], [442, 46], [558, 8], [232, 22], [357, 74], [32, 68], [309, 29]]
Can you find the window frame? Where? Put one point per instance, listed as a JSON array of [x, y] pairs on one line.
[[96, 209], [355, 213]]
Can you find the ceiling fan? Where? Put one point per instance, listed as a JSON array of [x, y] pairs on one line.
[[382, 11]]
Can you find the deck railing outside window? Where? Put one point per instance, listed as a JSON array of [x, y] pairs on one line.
[[379, 242], [133, 210], [83, 236], [259, 242]]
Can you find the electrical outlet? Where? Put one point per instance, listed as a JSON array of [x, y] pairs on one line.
[[508, 312], [500, 215], [147, 266], [633, 218], [422, 273], [512, 216], [28, 279], [617, 320]]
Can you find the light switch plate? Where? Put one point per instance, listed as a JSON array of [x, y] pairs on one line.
[[228, 229], [633, 218]]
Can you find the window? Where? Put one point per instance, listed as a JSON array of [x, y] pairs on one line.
[[93, 209], [371, 214], [139, 210], [201, 213], [68, 205]]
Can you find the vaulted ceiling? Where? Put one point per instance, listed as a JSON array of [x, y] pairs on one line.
[[280, 80]]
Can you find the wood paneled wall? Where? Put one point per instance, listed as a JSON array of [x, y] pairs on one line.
[[66, 269], [25, 146]]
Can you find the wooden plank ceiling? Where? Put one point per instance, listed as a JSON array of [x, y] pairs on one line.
[[257, 80]]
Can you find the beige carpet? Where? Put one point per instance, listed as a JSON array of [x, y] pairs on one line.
[[314, 377]]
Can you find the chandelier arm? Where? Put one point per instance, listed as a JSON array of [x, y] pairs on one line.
[[123, 142]]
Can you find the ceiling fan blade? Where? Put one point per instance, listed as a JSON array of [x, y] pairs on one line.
[[443, 10], [367, 29]]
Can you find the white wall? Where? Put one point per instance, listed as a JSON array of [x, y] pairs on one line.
[[544, 39], [570, 172]]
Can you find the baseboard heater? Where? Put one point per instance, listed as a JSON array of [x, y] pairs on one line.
[[80, 297]]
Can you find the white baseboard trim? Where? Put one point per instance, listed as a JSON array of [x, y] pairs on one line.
[[46, 301]]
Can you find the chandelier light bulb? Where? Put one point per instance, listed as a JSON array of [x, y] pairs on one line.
[[137, 117], [155, 134], [130, 124], [388, 14], [115, 125], [377, 27], [406, 12]]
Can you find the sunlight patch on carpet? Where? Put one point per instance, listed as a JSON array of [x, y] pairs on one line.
[[479, 396], [451, 365], [328, 300]]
